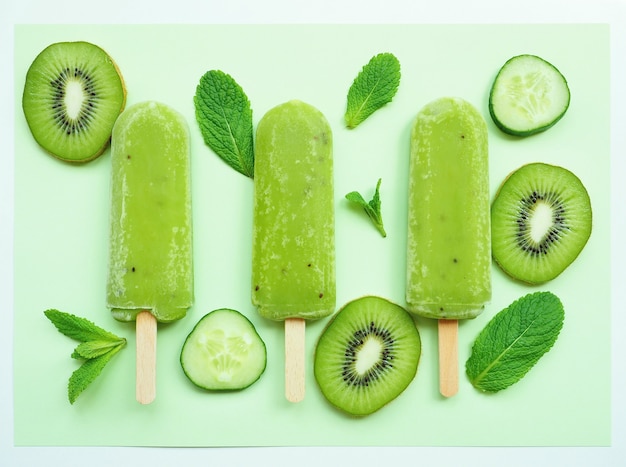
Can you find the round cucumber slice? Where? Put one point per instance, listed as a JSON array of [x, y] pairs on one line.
[[223, 352], [528, 95]]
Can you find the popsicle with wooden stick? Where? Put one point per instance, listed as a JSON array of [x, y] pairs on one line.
[[293, 254], [150, 276], [449, 235]]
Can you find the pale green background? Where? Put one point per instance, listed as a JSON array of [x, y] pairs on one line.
[[61, 222]]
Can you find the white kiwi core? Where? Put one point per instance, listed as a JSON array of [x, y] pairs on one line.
[[74, 98], [541, 221], [368, 355]]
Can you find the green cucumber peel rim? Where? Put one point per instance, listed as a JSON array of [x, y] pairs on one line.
[[223, 352], [528, 96]]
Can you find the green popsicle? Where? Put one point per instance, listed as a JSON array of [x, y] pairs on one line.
[[449, 236], [151, 233], [150, 259], [293, 254]]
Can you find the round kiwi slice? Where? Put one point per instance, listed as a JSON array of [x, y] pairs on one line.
[[540, 222], [367, 355], [73, 94]]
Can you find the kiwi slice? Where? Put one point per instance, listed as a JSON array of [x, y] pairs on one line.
[[73, 94], [540, 222], [367, 355]]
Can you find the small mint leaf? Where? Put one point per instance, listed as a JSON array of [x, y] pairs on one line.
[[225, 118], [97, 347], [514, 341], [78, 328], [356, 198], [375, 85], [373, 208], [87, 373], [94, 349]]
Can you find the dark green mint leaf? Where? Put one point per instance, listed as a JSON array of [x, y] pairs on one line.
[[514, 340], [225, 118], [375, 85], [373, 208]]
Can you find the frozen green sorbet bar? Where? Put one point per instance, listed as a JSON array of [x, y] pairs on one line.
[[150, 264], [449, 236], [293, 254]]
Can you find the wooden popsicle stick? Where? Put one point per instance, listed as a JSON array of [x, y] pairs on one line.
[[448, 357], [146, 334], [294, 359]]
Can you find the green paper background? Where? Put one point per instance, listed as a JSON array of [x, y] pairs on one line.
[[61, 240]]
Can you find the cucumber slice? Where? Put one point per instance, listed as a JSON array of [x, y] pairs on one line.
[[223, 352], [528, 95]]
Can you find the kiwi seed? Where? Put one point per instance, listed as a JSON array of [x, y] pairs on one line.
[[72, 96], [367, 355], [540, 221]]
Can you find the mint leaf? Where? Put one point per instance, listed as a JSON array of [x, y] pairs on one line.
[[514, 340], [96, 347], [375, 85], [78, 328], [87, 373], [372, 208], [225, 118]]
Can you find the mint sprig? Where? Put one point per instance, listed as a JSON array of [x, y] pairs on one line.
[[375, 85], [225, 118], [97, 347], [514, 341], [372, 208]]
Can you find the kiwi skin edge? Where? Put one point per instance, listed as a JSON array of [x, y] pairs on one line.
[[582, 208], [122, 107], [350, 400], [107, 142]]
